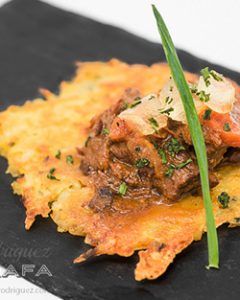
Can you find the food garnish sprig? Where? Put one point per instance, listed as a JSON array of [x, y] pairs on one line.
[[196, 135]]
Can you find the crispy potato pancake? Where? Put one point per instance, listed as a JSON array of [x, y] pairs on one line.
[[38, 139]]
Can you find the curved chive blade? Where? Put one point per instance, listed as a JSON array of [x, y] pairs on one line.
[[196, 134]]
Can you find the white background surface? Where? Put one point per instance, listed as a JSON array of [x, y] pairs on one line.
[[206, 28]]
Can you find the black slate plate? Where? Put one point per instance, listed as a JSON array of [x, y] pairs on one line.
[[38, 47]]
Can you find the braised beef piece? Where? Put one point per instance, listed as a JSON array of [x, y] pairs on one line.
[[162, 165], [214, 144]]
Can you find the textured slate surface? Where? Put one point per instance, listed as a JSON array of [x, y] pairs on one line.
[[38, 47]]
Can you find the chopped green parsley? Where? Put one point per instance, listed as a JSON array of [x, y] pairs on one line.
[[174, 147], [167, 111], [223, 199], [136, 103], [216, 76], [207, 114], [142, 162], [203, 96], [122, 189], [169, 171], [168, 100], [51, 176], [226, 127], [193, 89], [153, 123], [206, 75], [105, 131], [183, 164], [138, 149], [151, 97], [162, 153], [69, 160], [58, 154], [172, 167]]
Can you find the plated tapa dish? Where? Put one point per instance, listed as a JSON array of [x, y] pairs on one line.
[[111, 158]]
